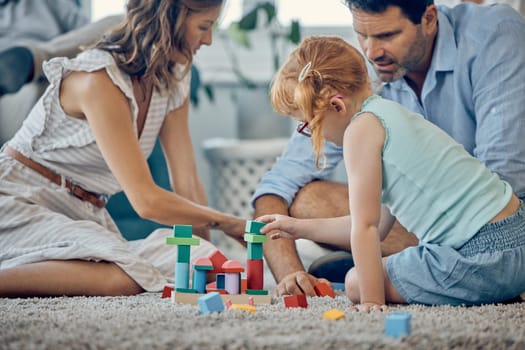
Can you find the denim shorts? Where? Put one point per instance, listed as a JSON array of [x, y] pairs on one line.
[[489, 268]]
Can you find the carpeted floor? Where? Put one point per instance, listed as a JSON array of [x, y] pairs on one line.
[[149, 322]]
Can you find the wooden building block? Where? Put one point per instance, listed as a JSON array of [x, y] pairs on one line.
[[166, 292], [324, 290], [253, 226], [334, 314], [182, 231], [296, 301], [255, 274], [398, 324], [191, 298], [211, 302], [217, 259]]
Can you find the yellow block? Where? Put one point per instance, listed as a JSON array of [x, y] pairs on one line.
[[334, 314], [244, 307]]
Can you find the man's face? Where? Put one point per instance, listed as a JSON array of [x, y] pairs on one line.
[[392, 43]]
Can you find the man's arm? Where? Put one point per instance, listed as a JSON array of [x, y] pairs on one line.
[[276, 191], [498, 83], [70, 43]]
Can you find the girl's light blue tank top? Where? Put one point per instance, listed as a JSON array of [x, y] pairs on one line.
[[431, 184]]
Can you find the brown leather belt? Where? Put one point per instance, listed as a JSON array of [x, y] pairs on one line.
[[96, 199]]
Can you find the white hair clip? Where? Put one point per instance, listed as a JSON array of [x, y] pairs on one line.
[[304, 71]]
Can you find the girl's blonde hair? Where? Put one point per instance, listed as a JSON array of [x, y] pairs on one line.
[[335, 67], [143, 45]]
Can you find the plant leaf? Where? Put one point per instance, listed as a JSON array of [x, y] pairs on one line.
[[295, 32], [249, 20], [269, 9], [239, 36]]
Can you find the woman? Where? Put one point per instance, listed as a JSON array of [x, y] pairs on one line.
[[87, 138]]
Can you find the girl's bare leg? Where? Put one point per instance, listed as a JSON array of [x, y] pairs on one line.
[[69, 277], [352, 288]]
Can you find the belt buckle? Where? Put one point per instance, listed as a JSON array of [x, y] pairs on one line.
[[101, 197], [74, 187]]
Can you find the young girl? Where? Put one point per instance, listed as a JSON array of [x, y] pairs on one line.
[[470, 224], [87, 138]]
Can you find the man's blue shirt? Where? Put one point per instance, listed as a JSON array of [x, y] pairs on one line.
[[474, 90]]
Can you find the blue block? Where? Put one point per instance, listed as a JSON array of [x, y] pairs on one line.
[[398, 324], [220, 281], [199, 281], [182, 275], [211, 302]]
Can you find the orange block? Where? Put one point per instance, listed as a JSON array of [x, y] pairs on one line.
[[295, 301], [322, 290]]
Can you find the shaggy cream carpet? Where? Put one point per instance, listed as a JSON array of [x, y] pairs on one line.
[[149, 322]]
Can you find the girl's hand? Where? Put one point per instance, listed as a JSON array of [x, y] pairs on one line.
[[367, 307], [280, 226]]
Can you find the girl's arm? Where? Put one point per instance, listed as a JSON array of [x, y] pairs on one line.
[[93, 96], [362, 146], [335, 231]]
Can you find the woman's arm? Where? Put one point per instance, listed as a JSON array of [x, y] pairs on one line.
[[94, 96], [362, 147], [180, 158]]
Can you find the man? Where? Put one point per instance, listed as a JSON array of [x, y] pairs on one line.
[[462, 68]]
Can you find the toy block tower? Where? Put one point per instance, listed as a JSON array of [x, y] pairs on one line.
[[254, 263], [182, 237]]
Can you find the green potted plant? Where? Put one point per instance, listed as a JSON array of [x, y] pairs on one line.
[[238, 36], [258, 28], [280, 38]]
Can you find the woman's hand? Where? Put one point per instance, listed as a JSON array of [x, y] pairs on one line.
[[280, 226], [233, 227]]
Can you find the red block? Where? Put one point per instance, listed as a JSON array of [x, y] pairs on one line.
[[166, 293], [296, 301], [217, 259], [322, 290], [255, 274]]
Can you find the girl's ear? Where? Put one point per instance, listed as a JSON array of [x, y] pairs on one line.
[[338, 104]]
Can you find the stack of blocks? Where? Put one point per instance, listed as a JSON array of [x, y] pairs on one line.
[[254, 263], [228, 272], [182, 237]]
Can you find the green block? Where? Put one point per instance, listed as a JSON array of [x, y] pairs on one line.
[[256, 292], [252, 238], [254, 226], [186, 290], [255, 251], [182, 231], [182, 241], [183, 253]]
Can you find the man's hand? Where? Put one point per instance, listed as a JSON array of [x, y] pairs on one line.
[[299, 282]]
